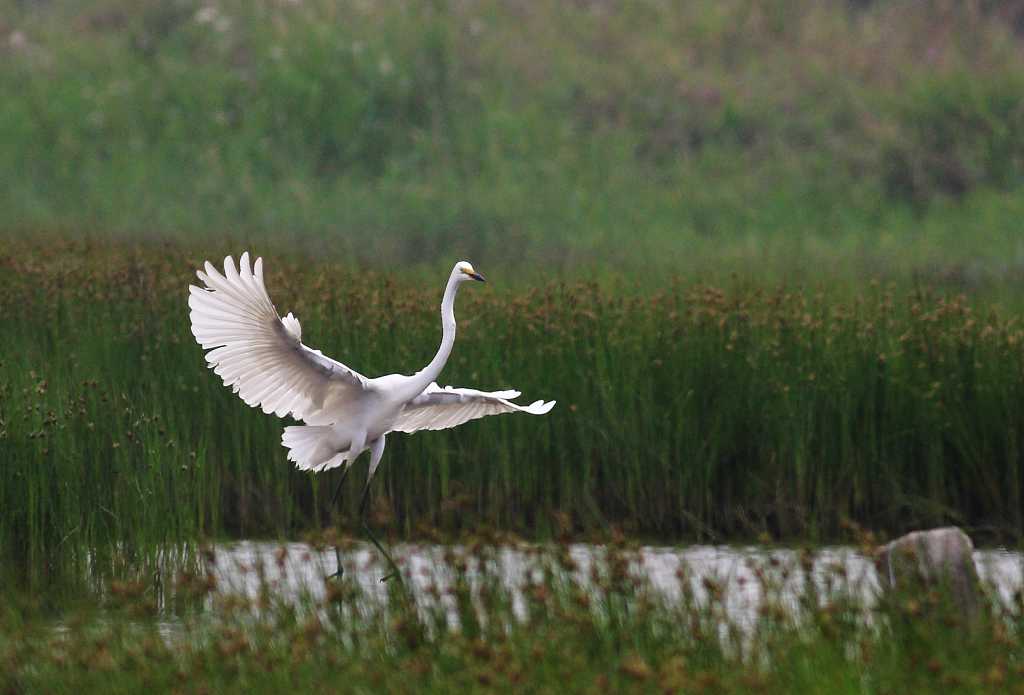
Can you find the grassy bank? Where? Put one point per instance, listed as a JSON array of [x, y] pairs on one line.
[[671, 137], [618, 634], [693, 411]]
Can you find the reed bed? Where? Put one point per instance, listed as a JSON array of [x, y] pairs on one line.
[[617, 634], [690, 411]]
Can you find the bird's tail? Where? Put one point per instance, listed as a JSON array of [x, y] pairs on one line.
[[312, 447]]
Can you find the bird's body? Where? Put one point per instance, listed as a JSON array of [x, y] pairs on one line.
[[261, 356]]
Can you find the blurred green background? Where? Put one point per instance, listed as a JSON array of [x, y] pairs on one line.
[[648, 138]]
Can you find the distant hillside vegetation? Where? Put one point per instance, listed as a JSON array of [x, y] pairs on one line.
[[654, 133]]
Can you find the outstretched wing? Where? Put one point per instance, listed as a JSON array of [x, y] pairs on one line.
[[260, 355], [440, 408]]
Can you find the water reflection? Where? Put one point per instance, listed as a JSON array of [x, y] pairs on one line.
[[741, 576]]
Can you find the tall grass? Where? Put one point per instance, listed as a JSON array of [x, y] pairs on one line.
[[672, 136], [691, 411]]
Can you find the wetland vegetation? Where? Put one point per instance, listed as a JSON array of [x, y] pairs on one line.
[[687, 412], [765, 255], [544, 634]]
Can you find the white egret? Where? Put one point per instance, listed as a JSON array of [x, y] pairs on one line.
[[262, 358]]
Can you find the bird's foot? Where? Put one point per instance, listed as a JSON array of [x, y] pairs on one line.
[[340, 572]]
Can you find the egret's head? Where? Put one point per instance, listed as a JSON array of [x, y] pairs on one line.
[[465, 271]]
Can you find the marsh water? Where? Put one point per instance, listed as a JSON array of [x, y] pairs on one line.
[[740, 576]]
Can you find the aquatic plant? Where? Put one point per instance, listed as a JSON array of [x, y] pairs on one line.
[[691, 411]]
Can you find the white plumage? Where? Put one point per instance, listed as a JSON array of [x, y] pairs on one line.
[[440, 408], [261, 357]]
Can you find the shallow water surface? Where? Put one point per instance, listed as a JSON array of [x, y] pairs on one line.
[[296, 571]]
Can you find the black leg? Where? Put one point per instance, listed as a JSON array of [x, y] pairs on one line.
[[334, 499], [373, 539], [337, 490], [340, 572]]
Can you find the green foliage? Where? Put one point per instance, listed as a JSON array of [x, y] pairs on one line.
[[958, 134], [689, 411], [669, 136]]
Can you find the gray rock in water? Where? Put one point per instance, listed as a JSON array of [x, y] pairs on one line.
[[941, 558]]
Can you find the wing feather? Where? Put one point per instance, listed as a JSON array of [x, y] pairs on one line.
[[441, 408], [258, 355]]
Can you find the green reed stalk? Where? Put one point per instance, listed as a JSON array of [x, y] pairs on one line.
[[689, 411]]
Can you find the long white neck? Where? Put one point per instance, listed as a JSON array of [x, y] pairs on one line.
[[424, 377]]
